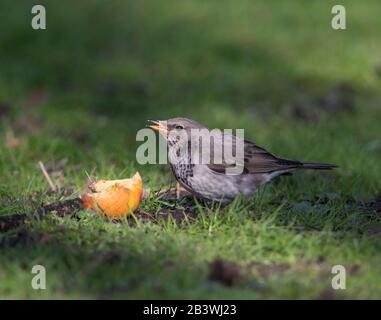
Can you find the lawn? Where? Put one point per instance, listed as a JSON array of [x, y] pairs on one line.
[[74, 95]]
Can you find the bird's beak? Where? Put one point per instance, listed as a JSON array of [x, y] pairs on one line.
[[158, 126]]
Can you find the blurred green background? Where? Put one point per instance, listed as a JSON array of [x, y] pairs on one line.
[[78, 91]]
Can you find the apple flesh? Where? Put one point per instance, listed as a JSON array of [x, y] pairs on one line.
[[114, 198]]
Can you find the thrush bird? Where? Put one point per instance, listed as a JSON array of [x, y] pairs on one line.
[[212, 180]]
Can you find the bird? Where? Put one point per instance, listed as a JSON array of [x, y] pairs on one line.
[[212, 180]]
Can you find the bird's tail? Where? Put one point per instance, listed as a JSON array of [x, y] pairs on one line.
[[292, 164], [317, 166]]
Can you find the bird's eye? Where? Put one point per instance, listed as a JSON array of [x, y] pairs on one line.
[[179, 127]]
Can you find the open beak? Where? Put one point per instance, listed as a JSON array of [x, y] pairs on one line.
[[158, 126]]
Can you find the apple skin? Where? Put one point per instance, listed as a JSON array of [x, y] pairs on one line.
[[114, 198]]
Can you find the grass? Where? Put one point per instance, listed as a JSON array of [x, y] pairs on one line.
[[82, 88]]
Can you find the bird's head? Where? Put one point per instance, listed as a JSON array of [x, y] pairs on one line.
[[175, 130]]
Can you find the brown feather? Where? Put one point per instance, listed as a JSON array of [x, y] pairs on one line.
[[258, 160]]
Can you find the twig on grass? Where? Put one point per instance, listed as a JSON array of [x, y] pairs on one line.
[[53, 187]]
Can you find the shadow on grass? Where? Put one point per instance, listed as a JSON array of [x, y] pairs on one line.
[[136, 65]]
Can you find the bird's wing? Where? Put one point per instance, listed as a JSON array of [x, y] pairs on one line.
[[254, 160]]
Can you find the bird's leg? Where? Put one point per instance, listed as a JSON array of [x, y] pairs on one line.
[[178, 190]]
